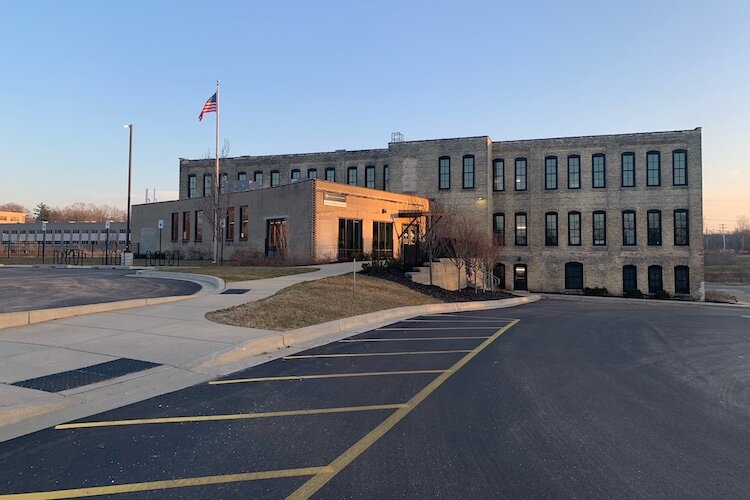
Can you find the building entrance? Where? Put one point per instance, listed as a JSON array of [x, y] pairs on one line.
[[519, 277]]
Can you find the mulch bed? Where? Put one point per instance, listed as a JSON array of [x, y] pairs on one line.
[[465, 295]]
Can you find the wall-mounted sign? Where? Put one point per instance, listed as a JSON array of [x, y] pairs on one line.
[[334, 199]]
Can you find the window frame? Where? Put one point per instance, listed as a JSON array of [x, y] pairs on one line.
[[444, 177], [622, 169], [682, 290], [685, 167], [687, 227], [244, 222], [370, 169], [332, 170], [312, 171], [571, 215], [386, 177], [242, 175], [551, 240], [275, 178], [653, 289], [349, 171], [569, 266], [594, 157], [192, 186], [498, 176], [547, 173], [521, 161], [498, 236], [468, 172], [292, 172], [656, 154], [525, 239], [578, 173], [650, 232], [635, 228], [208, 185], [258, 174], [593, 228], [625, 269]]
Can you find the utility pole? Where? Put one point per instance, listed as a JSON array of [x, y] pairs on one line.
[[724, 236]]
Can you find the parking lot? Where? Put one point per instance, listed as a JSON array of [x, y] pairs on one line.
[[556, 398]]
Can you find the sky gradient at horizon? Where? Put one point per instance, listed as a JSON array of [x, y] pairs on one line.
[[319, 76]]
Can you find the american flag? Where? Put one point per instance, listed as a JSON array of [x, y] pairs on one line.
[[209, 107]]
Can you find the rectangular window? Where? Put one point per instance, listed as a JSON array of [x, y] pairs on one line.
[[628, 170], [444, 172], [258, 178], [682, 279], [600, 228], [244, 222], [679, 167], [198, 226], [330, 174], [224, 183], [574, 172], [295, 175], [185, 227], [521, 174], [350, 238], [550, 172], [175, 226], [241, 176], [370, 177], [192, 186], [654, 227], [498, 229], [229, 228], [275, 178], [574, 276], [386, 177], [681, 228], [574, 228], [277, 237], [629, 278], [382, 239], [468, 172], [628, 228], [598, 174], [312, 173], [351, 176], [498, 175], [208, 185], [521, 229], [655, 283], [550, 229], [653, 168]]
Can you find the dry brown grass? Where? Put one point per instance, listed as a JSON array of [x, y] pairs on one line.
[[318, 301], [237, 273]]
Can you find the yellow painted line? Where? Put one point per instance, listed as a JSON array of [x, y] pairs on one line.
[[170, 483], [488, 327], [364, 354], [330, 375], [321, 478], [396, 339], [232, 416]]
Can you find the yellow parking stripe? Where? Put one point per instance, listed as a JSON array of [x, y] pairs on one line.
[[396, 339], [488, 327], [322, 478], [364, 354], [329, 375], [232, 416], [170, 483]]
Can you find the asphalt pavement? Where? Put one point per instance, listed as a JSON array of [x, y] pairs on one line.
[[26, 289], [552, 399]]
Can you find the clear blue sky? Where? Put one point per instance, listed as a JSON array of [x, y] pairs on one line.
[[322, 75]]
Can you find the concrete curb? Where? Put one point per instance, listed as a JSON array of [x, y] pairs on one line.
[[209, 284], [646, 302], [355, 324]]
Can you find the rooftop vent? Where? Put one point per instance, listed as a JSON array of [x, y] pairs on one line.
[[397, 137]]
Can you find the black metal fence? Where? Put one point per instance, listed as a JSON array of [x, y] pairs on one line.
[[62, 253], [167, 258]]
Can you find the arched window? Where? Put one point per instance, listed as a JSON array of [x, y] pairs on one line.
[[258, 177], [629, 278], [550, 172], [679, 167], [330, 174], [574, 276], [653, 168], [598, 171], [468, 172], [295, 174], [444, 172], [192, 186], [681, 279], [275, 178], [655, 283], [351, 176]]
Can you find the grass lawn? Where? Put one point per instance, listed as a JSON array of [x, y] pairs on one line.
[[737, 272], [318, 301], [238, 273]]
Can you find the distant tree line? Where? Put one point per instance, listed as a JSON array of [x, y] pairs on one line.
[[737, 240], [76, 212]]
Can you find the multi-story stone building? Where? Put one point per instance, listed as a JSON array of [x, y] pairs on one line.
[[617, 211]]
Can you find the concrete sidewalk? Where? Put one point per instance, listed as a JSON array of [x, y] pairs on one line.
[[188, 349]]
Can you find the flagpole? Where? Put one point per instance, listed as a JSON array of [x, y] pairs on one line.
[[217, 183]]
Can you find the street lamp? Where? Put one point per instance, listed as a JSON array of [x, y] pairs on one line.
[[130, 170]]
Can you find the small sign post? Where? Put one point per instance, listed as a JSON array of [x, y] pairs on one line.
[[161, 226], [44, 237]]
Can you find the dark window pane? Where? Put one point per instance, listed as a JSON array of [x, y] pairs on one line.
[[574, 276]]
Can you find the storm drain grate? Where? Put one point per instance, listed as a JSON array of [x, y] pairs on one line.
[[235, 291], [87, 375]]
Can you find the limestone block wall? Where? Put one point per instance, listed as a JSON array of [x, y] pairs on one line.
[[444, 274]]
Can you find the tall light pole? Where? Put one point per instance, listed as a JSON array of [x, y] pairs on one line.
[[130, 171]]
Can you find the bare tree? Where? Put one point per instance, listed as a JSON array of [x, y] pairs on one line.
[[13, 207], [215, 208], [742, 230], [458, 236]]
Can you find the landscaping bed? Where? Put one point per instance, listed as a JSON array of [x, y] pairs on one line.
[[465, 295]]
